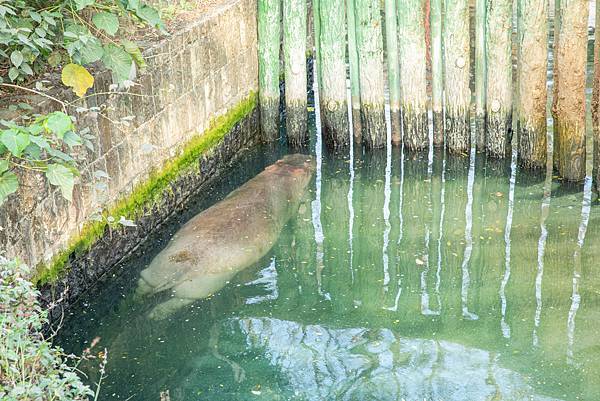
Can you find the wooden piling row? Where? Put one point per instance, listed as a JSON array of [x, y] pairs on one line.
[[480, 72], [269, 40], [437, 72], [393, 68], [596, 100], [332, 71], [568, 109], [370, 56], [499, 91], [413, 73], [354, 72], [532, 73], [294, 42], [418, 32], [456, 75]]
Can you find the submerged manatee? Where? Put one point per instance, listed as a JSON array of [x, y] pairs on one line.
[[228, 237]]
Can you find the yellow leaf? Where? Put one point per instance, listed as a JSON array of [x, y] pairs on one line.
[[78, 78]]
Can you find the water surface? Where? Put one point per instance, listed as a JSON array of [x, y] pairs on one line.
[[414, 277]]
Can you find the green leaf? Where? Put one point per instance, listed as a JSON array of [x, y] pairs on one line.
[[118, 61], [54, 59], [63, 178], [17, 58], [35, 16], [72, 139], [59, 123], [78, 78], [81, 4], [40, 141], [15, 141], [106, 21], [135, 52], [13, 73], [150, 15], [9, 183], [59, 155], [4, 165], [33, 151], [92, 51]]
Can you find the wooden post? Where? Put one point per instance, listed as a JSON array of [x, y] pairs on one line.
[[532, 64], [480, 72], [332, 38], [596, 99], [413, 73], [570, 59], [391, 40], [354, 72], [269, 41], [499, 77], [370, 55], [437, 72], [456, 75], [294, 40]]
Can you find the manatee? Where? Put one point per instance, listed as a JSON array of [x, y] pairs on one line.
[[227, 237]]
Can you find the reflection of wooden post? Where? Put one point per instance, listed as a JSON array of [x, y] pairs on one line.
[[294, 40], [332, 38], [456, 75], [596, 99], [269, 34], [480, 72], [391, 40], [437, 72], [570, 56], [354, 71], [531, 80], [370, 55], [499, 77], [413, 73]]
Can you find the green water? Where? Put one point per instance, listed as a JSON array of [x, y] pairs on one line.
[[399, 278]]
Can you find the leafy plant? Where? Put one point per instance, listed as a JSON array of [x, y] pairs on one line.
[[72, 33], [31, 368], [47, 145], [35, 34]]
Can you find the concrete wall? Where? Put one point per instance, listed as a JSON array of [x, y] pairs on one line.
[[195, 75]]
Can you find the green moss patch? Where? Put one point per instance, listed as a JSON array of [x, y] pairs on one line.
[[148, 193]]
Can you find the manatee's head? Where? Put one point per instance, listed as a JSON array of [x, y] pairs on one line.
[[297, 169]]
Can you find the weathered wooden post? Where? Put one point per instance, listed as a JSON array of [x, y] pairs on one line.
[[532, 76], [568, 109], [437, 72], [480, 72], [596, 99], [269, 41], [499, 77], [456, 75], [332, 92], [391, 40], [354, 72], [294, 41], [413, 73], [370, 55]]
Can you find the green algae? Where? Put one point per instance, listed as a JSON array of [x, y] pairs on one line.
[[149, 192]]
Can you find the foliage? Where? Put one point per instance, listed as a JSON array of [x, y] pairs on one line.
[[47, 145], [72, 33], [30, 367], [37, 33]]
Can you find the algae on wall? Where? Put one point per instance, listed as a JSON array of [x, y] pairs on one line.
[[147, 193]]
